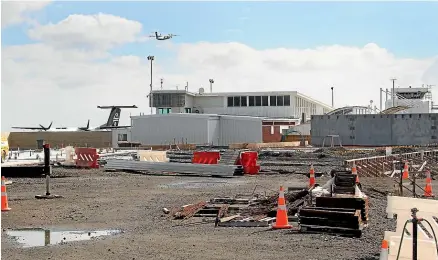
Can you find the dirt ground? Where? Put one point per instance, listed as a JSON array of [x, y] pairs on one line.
[[94, 199]]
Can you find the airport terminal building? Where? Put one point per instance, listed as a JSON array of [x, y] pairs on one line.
[[272, 104]]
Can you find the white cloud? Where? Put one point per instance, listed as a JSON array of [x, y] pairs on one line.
[[14, 12], [54, 80], [101, 31]]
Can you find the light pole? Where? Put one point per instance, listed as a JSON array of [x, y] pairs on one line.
[[211, 85], [161, 82], [151, 58], [333, 101]]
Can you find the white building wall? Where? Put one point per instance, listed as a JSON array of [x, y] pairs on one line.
[[189, 101], [195, 129], [214, 130], [165, 129], [240, 130], [209, 101], [218, 104]]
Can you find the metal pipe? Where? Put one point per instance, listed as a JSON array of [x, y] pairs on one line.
[[211, 85], [414, 233], [393, 92], [333, 101], [381, 97], [48, 183], [150, 93], [151, 58], [47, 168]]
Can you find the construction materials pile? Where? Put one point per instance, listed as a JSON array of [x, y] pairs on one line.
[[341, 209], [338, 207]]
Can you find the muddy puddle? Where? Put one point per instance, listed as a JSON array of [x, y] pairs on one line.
[[197, 184], [36, 237]]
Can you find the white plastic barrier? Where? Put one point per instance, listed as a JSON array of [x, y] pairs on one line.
[[152, 156], [69, 155], [401, 206]]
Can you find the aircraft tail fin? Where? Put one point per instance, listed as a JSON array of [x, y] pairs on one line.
[[114, 117], [156, 35], [50, 125], [88, 124]]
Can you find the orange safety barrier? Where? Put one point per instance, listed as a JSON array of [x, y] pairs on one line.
[[248, 160], [87, 157], [206, 157]]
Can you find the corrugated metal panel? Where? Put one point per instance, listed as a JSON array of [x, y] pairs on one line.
[[240, 130], [164, 129], [214, 130], [196, 129]]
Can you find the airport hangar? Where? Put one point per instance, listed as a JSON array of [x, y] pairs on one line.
[[195, 118]]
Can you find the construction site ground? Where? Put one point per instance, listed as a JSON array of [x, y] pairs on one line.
[[95, 199]]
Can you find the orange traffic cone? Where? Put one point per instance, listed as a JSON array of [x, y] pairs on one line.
[[281, 221], [354, 171], [405, 171], [312, 180], [4, 201], [428, 188], [384, 250]]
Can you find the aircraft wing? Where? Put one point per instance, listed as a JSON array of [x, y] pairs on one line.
[[107, 107], [114, 127], [29, 128]]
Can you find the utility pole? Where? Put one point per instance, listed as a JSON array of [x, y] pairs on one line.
[[151, 58], [161, 83], [333, 99], [393, 91], [211, 85]]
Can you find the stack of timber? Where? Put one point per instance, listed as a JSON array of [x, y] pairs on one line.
[[342, 213], [332, 220], [344, 183]]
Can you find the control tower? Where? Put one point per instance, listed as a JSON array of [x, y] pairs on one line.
[[413, 100]]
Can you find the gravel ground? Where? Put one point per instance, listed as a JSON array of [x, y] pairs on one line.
[[94, 199]]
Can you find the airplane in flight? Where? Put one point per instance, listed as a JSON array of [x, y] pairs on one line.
[[112, 122], [160, 37]]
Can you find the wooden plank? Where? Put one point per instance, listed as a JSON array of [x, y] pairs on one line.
[[246, 223], [225, 219]]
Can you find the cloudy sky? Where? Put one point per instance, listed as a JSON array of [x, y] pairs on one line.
[[62, 59]]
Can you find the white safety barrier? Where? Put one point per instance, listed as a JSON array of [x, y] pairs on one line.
[[152, 156], [69, 155], [427, 209]]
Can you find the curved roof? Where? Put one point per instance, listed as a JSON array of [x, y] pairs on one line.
[[345, 110], [393, 110]]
